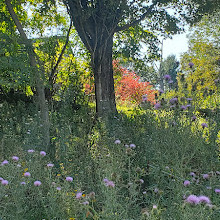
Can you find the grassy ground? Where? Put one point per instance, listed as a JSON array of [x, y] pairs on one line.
[[132, 166]]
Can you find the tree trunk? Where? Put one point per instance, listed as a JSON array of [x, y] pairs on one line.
[[104, 81], [44, 112]]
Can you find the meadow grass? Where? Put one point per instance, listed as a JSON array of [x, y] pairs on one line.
[[139, 164]]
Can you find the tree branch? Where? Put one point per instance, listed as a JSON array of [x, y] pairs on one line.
[[54, 69], [133, 23]]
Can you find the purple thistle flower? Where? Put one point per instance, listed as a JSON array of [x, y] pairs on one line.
[[204, 125], [85, 203], [110, 184], [170, 81], [37, 183], [78, 195], [157, 105], [105, 180], [167, 77], [204, 199], [117, 141], [194, 118], [192, 174], [191, 64], [31, 151], [173, 100], [43, 153], [4, 162], [22, 183], [186, 183], [1, 178], [69, 179], [183, 107], [50, 165], [192, 199], [4, 182], [205, 176], [58, 188], [27, 174], [132, 146], [15, 158], [217, 191]]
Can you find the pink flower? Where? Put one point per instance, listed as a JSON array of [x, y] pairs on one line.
[[117, 141], [4, 162], [43, 153], [154, 206], [192, 199], [31, 151], [217, 191], [15, 158], [69, 179], [50, 165], [23, 183], [205, 176], [78, 195], [27, 174], [4, 182], [37, 183], [186, 183], [204, 199]]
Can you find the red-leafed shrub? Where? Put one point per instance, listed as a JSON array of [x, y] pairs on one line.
[[129, 87]]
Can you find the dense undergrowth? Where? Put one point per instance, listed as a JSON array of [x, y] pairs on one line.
[[141, 165]]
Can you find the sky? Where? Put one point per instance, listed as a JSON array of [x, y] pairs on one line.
[[175, 46]]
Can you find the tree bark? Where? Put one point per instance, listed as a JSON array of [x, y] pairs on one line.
[[104, 81]]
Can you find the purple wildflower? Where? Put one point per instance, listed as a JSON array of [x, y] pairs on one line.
[[78, 195], [50, 165], [167, 77], [173, 100], [217, 191], [191, 64], [37, 183], [189, 99], [85, 203], [204, 199], [117, 141], [186, 183], [1, 178], [4, 162], [132, 146], [141, 181], [154, 206], [183, 107], [194, 118], [170, 81], [15, 158], [192, 199], [4, 182], [157, 105], [69, 179], [192, 174], [43, 153], [205, 176], [204, 125], [110, 184], [58, 188], [161, 91], [27, 174], [22, 183], [31, 151]]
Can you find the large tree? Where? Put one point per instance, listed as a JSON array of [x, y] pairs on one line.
[[96, 22]]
